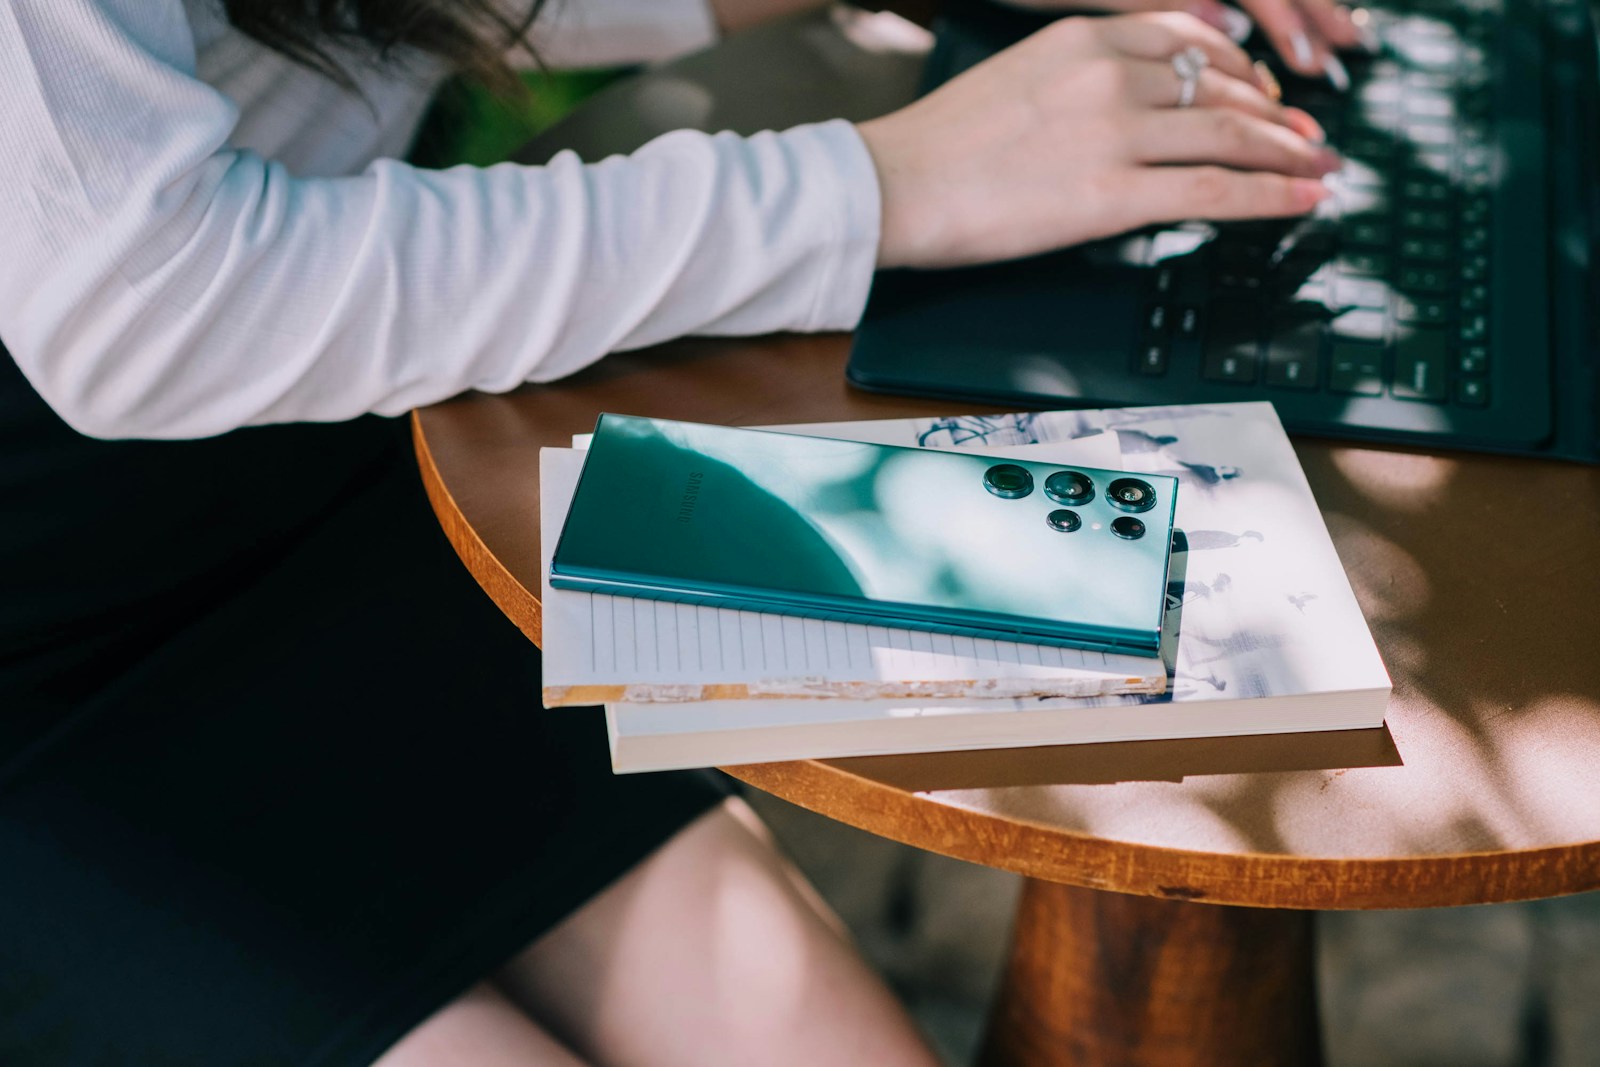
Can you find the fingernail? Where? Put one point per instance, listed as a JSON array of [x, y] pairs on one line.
[[1301, 45], [1207, 11], [1306, 126], [1361, 19], [1268, 81], [1236, 24], [1328, 160], [1338, 77], [1309, 192]]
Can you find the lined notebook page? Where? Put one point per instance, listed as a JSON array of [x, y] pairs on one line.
[[600, 648]]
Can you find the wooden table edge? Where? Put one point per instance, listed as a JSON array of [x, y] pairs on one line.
[[1069, 857], [1245, 879], [511, 596]]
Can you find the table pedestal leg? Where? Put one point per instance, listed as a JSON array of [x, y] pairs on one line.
[[1111, 980]]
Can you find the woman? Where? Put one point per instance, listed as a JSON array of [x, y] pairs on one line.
[[273, 789]]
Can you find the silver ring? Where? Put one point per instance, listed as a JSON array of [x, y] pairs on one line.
[[1188, 64]]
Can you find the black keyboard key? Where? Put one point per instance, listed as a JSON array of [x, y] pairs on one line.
[[1426, 189], [1424, 310], [1425, 220], [1318, 97], [1366, 233], [1419, 28], [1239, 280], [1233, 342], [1426, 80], [1474, 359], [1153, 359], [1316, 288], [1361, 293], [1188, 325], [1434, 158], [1431, 56], [1375, 148], [1236, 365], [1312, 239], [1294, 356], [1472, 392], [1379, 95], [1426, 249], [1432, 134], [1362, 187], [1155, 320], [1476, 158], [1474, 268], [1193, 281], [1429, 280], [1355, 369], [1421, 359], [1429, 107], [1365, 263], [1361, 325], [1474, 328]]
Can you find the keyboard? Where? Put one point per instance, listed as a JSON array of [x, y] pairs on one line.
[[1430, 301], [1387, 289]]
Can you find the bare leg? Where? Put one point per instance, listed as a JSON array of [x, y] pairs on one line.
[[713, 951], [481, 1028]]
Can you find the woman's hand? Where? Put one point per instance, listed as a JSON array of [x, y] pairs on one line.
[[1076, 133], [1306, 33]]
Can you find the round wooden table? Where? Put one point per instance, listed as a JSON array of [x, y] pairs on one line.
[[1477, 574]]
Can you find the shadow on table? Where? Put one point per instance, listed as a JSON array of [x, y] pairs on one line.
[[1130, 761]]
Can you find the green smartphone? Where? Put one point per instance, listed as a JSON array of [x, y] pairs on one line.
[[952, 542]]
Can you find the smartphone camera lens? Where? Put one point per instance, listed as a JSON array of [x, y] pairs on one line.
[[1131, 494], [1065, 521], [1069, 487], [1008, 480], [1128, 528]]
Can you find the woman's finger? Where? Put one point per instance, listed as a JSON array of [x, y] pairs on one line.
[[1156, 84], [1162, 35], [1233, 23], [1172, 194], [1229, 138], [1300, 43], [1332, 19]]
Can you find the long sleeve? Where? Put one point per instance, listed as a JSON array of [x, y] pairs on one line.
[[599, 33], [158, 282]]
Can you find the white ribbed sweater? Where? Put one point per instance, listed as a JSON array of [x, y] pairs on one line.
[[196, 234]]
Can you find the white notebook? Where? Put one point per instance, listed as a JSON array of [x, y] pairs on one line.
[[1264, 634], [600, 648]]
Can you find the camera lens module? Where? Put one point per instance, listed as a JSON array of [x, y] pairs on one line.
[[1008, 480], [1063, 520], [1128, 528], [1131, 494], [1069, 487]]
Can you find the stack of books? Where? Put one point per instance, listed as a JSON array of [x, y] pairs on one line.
[[1263, 633]]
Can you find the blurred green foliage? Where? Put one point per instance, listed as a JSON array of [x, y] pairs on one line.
[[471, 124]]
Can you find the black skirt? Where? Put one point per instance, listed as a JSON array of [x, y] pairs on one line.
[[275, 781]]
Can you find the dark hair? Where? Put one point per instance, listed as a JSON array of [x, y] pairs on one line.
[[473, 36]]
